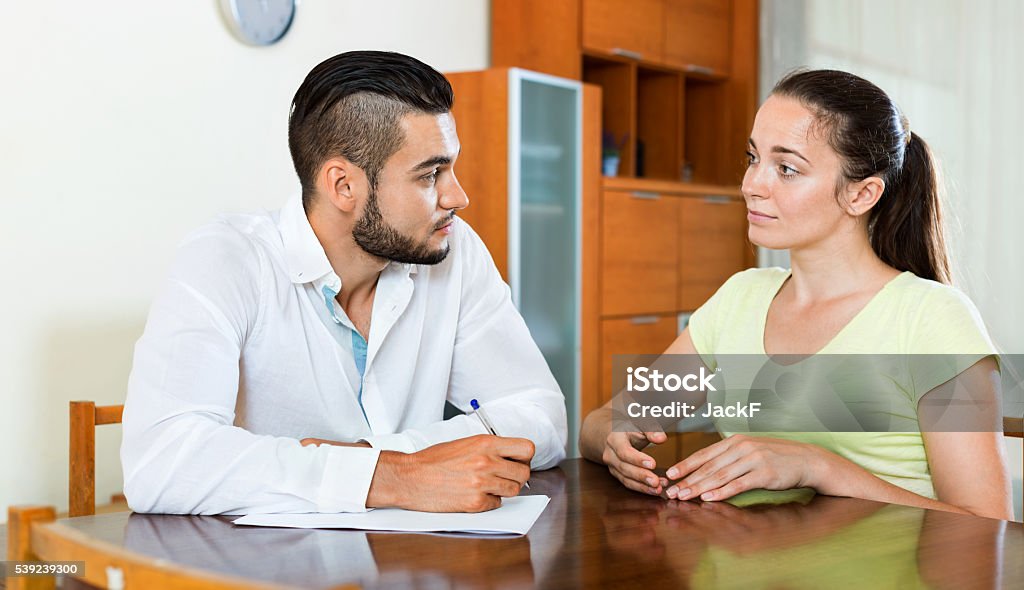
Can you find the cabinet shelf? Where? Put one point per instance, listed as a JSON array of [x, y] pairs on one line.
[[669, 187], [690, 70]]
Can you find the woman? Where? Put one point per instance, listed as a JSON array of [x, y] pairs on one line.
[[836, 176]]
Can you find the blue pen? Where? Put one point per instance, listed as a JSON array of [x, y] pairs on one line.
[[487, 423]]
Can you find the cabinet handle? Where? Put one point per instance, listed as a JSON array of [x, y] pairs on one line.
[[695, 69], [645, 195], [717, 199], [644, 319], [628, 53]]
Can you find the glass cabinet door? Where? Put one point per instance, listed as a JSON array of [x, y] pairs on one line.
[[544, 222]]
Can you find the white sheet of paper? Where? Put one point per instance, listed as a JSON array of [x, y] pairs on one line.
[[516, 516]]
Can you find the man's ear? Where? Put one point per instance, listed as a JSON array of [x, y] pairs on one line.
[[862, 195], [338, 181]]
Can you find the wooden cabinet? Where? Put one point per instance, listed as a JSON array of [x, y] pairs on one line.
[[678, 77], [541, 36], [664, 249], [639, 253], [617, 79], [698, 35], [650, 334], [712, 246], [706, 241], [659, 123], [678, 93], [695, 35], [630, 29]]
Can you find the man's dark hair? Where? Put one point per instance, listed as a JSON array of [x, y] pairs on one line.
[[350, 105]]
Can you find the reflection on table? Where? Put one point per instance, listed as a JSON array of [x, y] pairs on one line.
[[596, 533]]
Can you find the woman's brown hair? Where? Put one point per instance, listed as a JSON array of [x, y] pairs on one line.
[[873, 138]]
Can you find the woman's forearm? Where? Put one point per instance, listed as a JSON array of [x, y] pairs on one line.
[[593, 434], [838, 476]]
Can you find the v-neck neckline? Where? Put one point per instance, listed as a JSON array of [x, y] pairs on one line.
[[775, 293]]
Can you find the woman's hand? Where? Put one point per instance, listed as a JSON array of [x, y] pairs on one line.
[[630, 466], [740, 463]]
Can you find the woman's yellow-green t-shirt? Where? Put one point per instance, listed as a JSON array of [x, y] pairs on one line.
[[909, 316]]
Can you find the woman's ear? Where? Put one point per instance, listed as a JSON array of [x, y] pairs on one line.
[[862, 195]]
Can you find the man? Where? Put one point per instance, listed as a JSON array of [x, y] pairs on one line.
[[346, 318]]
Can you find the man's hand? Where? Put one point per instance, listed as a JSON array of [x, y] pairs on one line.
[[625, 461], [466, 475]]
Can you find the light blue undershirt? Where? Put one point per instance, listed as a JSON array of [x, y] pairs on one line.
[[359, 344]]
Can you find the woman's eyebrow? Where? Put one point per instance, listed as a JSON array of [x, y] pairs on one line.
[[778, 149]]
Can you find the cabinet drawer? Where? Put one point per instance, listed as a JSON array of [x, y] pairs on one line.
[[633, 28], [635, 335], [639, 253], [713, 245], [698, 34]]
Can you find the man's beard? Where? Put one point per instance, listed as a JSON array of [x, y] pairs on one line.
[[379, 239]]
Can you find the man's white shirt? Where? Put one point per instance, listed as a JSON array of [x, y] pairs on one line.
[[242, 357]]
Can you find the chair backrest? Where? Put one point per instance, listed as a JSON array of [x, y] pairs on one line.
[[85, 416], [1013, 427]]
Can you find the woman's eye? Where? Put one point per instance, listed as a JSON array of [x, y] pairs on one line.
[[787, 170], [751, 159]]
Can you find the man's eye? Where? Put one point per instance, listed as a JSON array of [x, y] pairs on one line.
[[431, 178]]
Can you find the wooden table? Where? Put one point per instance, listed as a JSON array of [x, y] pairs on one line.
[[596, 533]]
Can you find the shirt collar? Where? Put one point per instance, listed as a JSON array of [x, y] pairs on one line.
[[307, 261], [305, 256]]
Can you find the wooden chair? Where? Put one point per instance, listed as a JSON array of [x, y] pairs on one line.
[[1013, 427], [85, 416]]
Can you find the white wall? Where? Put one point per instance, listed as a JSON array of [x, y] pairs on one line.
[[123, 126]]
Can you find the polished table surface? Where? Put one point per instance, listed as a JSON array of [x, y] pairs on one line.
[[596, 533]]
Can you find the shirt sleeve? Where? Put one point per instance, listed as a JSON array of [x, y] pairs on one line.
[[180, 452], [705, 322], [496, 362], [947, 337]]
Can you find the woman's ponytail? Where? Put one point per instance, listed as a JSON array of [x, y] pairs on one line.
[[905, 227]]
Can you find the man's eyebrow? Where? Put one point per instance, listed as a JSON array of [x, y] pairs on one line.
[[432, 163], [778, 149]]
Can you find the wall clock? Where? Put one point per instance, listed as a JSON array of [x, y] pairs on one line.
[[259, 22]]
